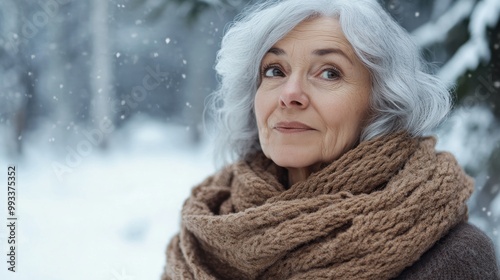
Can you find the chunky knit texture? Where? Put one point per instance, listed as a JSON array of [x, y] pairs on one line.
[[368, 215]]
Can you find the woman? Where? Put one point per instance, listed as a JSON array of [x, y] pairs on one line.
[[325, 104]]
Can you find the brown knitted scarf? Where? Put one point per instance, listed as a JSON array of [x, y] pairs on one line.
[[368, 215]]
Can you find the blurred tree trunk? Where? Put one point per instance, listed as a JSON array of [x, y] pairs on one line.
[[101, 79], [198, 79], [53, 80], [198, 85], [15, 87]]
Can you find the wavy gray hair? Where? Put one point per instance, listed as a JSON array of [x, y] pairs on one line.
[[404, 96]]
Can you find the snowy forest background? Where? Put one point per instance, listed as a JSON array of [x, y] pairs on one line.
[[101, 107]]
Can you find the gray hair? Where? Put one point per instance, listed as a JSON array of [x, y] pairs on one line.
[[404, 96]]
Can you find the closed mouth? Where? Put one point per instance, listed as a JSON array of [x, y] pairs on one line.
[[290, 127]]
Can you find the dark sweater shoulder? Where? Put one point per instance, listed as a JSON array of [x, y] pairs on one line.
[[465, 253]]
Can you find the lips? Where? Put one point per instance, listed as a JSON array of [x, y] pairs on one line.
[[292, 127]]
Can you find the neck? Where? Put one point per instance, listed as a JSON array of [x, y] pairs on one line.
[[296, 175]]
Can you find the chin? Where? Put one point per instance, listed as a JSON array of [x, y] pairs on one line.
[[292, 160]]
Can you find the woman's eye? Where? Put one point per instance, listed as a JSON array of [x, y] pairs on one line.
[[330, 74], [273, 72]]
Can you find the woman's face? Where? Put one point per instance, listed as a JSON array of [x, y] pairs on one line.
[[313, 98]]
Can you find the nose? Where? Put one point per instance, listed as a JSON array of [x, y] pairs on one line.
[[293, 95]]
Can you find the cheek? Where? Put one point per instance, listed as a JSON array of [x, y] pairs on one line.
[[261, 114], [344, 127], [262, 108], [258, 109], [261, 117]]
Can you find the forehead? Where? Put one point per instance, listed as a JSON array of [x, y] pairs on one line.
[[317, 32]]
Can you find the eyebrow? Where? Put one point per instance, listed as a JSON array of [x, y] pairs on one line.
[[276, 51], [319, 52]]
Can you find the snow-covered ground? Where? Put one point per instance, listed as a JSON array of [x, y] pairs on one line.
[[112, 216]]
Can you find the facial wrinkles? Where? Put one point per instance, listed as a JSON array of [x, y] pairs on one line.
[[298, 60], [308, 34], [298, 51], [330, 141], [300, 64]]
